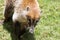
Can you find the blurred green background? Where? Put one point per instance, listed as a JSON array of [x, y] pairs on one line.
[[48, 27]]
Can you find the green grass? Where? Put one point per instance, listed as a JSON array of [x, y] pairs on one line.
[[48, 27]]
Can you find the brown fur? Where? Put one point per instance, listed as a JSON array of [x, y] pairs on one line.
[[33, 12], [34, 8]]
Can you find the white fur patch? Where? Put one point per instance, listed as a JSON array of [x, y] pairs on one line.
[[21, 16]]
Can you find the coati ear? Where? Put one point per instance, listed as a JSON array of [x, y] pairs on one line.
[[27, 8]]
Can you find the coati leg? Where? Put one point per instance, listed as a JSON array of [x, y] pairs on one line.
[[17, 30]]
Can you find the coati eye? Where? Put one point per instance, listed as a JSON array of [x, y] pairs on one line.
[[29, 20], [37, 20]]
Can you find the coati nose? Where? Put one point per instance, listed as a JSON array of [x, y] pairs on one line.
[[31, 29]]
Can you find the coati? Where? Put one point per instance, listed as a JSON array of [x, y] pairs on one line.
[[26, 13]]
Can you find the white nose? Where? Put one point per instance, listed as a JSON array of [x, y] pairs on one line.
[[31, 29]]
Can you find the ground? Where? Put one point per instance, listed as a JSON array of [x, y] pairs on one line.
[[48, 27]]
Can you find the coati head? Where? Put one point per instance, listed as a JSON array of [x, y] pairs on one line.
[[27, 13]]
